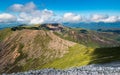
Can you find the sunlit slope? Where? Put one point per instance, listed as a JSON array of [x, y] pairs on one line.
[[78, 55], [31, 49]]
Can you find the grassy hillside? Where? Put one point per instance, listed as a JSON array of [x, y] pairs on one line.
[[30, 47], [89, 38], [78, 55], [103, 55], [83, 36], [26, 48], [4, 33]]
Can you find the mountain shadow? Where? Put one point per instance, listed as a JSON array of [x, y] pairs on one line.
[[105, 55]]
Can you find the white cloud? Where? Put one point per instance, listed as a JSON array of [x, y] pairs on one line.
[[6, 18], [23, 8], [36, 20], [112, 19], [104, 18], [24, 17], [16, 7], [71, 17], [36, 16], [97, 17], [28, 13]]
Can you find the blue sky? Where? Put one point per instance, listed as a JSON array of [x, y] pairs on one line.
[[69, 5], [65, 10]]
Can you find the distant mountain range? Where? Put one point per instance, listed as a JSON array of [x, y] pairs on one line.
[[94, 25], [89, 25]]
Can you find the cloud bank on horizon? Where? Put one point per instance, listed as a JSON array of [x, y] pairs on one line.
[[30, 14]]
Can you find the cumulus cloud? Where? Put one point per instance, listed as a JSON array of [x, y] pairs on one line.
[[24, 17], [7, 18], [36, 20], [71, 17], [112, 19], [104, 18], [97, 17], [23, 7], [28, 13], [36, 17]]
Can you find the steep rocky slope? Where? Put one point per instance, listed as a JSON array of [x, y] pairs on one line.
[[21, 47]]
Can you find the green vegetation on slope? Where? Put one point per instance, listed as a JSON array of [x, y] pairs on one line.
[[86, 38], [42, 40], [89, 38], [22, 55], [104, 55], [30, 49], [78, 55], [34, 63], [4, 33], [43, 57], [14, 67], [82, 36]]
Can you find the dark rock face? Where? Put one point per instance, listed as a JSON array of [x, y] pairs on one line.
[[53, 26], [103, 69]]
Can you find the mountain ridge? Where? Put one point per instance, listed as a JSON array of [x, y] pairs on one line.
[[31, 43], [26, 48]]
